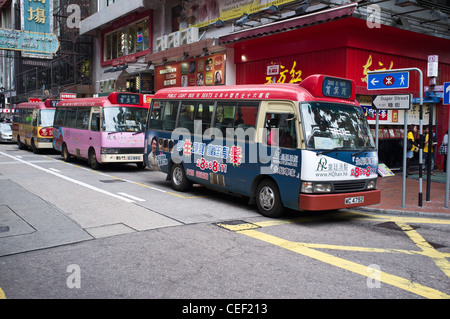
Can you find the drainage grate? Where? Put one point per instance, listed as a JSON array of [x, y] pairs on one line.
[[237, 225]]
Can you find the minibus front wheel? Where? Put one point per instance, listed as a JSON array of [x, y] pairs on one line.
[[268, 199]]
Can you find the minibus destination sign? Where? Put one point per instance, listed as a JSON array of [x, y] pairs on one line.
[[128, 98], [336, 88]]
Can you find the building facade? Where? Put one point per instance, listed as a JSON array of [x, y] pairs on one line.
[[145, 45]]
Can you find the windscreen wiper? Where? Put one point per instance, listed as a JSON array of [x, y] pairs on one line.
[[330, 150], [359, 152]]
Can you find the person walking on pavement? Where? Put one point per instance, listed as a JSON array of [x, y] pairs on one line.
[[411, 146], [445, 143], [427, 152]]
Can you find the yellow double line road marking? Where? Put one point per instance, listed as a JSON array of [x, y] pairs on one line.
[[310, 249]]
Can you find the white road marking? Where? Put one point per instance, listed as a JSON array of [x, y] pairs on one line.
[[132, 197], [128, 200]]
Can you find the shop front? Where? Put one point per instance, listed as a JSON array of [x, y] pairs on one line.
[[343, 46]]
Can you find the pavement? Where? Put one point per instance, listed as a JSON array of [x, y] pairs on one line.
[[391, 195]]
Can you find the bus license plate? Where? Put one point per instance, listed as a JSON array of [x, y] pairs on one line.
[[354, 200]]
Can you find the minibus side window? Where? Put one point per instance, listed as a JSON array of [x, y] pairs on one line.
[[59, 116], [203, 113], [186, 118], [286, 135], [71, 115], [163, 115], [95, 122], [225, 114], [82, 121]]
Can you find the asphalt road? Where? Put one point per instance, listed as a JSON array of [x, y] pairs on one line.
[[67, 231]]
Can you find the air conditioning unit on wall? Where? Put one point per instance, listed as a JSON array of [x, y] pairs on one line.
[[161, 43], [189, 35], [174, 39]]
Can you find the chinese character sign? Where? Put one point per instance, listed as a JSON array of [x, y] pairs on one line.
[[37, 15], [290, 73]]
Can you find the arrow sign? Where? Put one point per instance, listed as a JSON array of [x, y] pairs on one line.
[[392, 102], [386, 81], [446, 93], [28, 41]]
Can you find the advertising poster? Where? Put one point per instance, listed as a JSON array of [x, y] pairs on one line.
[[200, 13], [208, 70]]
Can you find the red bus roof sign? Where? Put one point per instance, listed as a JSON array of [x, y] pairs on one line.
[[332, 87], [126, 98]]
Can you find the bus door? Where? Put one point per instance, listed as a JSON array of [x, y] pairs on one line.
[[81, 140], [34, 126], [278, 148], [95, 135], [238, 166]]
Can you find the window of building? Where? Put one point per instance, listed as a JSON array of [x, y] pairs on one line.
[[127, 40]]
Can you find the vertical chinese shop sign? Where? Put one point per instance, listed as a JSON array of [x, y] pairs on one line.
[[36, 16]]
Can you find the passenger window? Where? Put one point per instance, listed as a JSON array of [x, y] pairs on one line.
[[203, 113], [95, 122], [163, 115], [225, 114], [246, 115], [70, 118], [82, 121], [59, 117], [186, 118], [281, 130]]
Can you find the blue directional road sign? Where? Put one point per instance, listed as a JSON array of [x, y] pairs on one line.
[[446, 93], [387, 81]]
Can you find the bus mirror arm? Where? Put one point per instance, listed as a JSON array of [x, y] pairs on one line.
[[292, 118]]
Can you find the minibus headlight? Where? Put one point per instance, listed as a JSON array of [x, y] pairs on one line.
[[107, 150], [322, 188], [307, 187], [312, 187], [372, 184]]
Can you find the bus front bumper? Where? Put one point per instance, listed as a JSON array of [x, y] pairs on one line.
[[122, 158], [338, 201]]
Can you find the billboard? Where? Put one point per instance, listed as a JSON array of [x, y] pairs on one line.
[[37, 17]]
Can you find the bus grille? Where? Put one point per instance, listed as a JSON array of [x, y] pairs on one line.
[[354, 186]]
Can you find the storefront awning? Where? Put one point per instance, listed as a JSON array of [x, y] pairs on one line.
[[289, 24]]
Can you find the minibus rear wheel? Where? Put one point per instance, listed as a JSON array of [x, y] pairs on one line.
[[268, 199], [65, 153], [20, 145], [178, 178]]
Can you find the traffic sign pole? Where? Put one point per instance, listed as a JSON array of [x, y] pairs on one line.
[[446, 101], [396, 71]]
